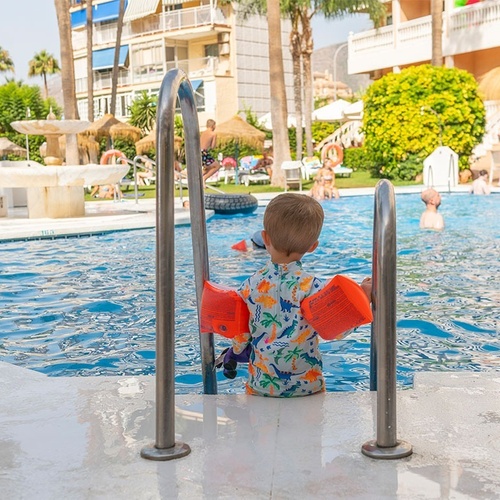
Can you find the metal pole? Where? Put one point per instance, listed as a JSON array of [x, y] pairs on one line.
[[335, 70], [175, 84], [386, 446]]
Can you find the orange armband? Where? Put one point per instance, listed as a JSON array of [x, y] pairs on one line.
[[340, 306], [223, 311]]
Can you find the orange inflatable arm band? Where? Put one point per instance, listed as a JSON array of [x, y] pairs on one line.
[[223, 311], [340, 306]]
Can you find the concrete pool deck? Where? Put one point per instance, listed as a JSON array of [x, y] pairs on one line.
[[80, 438]]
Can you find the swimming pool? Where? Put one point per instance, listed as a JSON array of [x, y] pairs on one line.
[[86, 306]]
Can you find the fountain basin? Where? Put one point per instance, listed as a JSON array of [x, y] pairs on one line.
[[57, 191]]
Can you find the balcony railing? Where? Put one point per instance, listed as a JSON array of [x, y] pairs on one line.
[[194, 68], [466, 29], [181, 19]]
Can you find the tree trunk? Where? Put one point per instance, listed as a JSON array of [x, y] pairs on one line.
[[295, 49], [90, 71], [279, 112], [437, 32], [114, 76], [307, 50], [67, 76]]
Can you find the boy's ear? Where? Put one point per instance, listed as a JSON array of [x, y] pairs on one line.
[[313, 246], [265, 238]]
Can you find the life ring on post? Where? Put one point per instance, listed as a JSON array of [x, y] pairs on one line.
[[231, 204], [111, 153], [328, 151]]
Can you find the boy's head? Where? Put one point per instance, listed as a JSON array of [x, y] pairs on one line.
[[431, 197], [211, 124], [293, 222], [483, 173]]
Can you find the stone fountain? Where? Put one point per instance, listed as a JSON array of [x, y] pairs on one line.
[[56, 190]]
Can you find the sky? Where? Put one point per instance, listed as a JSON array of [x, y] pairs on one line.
[[29, 26]]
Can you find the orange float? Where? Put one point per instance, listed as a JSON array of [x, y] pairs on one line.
[[111, 153], [328, 151]]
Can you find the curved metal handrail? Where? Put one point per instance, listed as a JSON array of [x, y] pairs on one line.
[[176, 85], [384, 326]]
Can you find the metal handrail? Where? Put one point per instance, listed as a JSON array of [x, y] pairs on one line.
[[386, 445], [176, 85]]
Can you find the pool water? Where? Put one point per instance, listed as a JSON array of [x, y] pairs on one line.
[[86, 306]]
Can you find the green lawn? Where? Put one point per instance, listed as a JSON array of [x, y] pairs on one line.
[[357, 180]]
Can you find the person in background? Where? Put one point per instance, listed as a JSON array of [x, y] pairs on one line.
[[480, 185], [430, 218], [324, 183], [208, 140], [282, 348]]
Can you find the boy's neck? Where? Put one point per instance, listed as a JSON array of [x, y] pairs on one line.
[[282, 258]]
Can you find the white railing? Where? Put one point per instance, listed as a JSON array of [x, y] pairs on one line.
[[194, 68], [465, 29], [167, 21]]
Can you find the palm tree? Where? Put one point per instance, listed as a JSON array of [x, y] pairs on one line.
[[114, 75], [143, 111], [6, 63], [43, 64], [67, 76], [279, 112], [437, 32], [90, 71]]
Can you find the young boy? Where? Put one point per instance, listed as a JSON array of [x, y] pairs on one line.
[[430, 218], [284, 357]]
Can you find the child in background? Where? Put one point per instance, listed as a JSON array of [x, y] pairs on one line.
[[430, 218], [284, 354]]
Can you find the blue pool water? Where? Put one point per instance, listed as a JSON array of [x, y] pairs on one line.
[[86, 306]]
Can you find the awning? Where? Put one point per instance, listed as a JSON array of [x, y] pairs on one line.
[[100, 12], [195, 84], [104, 58], [140, 8]]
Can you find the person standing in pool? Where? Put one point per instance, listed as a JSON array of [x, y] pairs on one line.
[[208, 140], [283, 352], [430, 218], [480, 185]]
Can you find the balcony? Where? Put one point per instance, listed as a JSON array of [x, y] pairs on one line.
[[466, 29], [150, 73], [182, 22]]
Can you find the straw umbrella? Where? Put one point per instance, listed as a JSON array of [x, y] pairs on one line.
[[7, 147], [489, 84], [149, 142], [238, 130], [109, 126]]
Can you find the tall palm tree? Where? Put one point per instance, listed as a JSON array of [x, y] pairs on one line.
[[67, 76], [6, 63], [43, 64], [90, 71], [279, 112], [114, 75], [437, 32]]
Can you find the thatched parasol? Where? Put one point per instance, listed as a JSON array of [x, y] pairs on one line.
[[124, 131], [149, 142], [489, 84], [88, 148], [7, 147], [238, 130], [109, 126]]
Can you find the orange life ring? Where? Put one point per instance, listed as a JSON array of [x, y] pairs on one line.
[[327, 151], [111, 153]]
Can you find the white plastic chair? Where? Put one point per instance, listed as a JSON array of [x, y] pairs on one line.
[[293, 174]]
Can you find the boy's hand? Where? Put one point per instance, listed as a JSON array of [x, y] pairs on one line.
[[366, 285], [230, 360]]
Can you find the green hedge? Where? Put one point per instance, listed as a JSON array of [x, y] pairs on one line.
[[399, 134]]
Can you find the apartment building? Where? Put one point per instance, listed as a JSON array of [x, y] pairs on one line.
[[471, 41], [225, 57]]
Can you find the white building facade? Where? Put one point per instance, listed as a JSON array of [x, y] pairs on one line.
[[225, 57]]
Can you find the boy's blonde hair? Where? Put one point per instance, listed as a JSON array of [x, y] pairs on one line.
[[428, 195], [293, 222]]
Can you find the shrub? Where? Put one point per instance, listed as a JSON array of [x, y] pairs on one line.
[[399, 134]]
